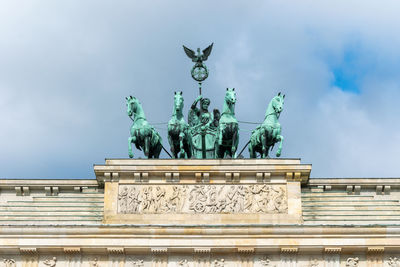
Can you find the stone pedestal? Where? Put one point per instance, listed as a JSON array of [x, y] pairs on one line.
[[202, 192]]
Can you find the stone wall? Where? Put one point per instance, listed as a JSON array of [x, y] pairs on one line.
[[200, 213], [199, 258]]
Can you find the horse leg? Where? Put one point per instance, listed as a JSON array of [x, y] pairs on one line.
[[280, 138], [251, 150], [264, 146], [235, 140], [189, 145], [171, 144], [220, 135], [146, 146], [228, 153], [130, 140], [218, 144], [157, 149], [181, 149]]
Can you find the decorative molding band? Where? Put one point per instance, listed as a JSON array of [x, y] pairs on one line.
[[202, 250], [245, 250], [375, 250], [332, 250], [159, 250], [73, 250], [29, 251], [116, 251], [289, 250]]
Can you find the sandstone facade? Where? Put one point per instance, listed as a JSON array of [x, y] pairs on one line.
[[198, 213]]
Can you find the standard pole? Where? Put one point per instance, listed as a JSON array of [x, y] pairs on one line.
[[200, 88]]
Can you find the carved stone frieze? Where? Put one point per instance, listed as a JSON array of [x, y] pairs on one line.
[[51, 262], [9, 262], [94, 263], [313, 263], [266, 262], [352, 262], [218, 263], [158, 199], [394, 262], [136, 262], [183, 263], [201, 259]]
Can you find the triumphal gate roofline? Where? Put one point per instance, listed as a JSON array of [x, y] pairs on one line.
[[213, 212]]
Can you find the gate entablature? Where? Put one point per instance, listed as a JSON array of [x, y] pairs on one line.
[[245, 191]]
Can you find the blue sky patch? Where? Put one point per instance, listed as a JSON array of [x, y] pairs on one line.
[[350, 70]]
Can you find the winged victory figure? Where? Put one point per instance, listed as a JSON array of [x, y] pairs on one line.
[[199, 71], [201, 56]]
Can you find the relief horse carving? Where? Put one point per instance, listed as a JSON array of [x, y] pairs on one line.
[[143, 135], [228, 136], [178, 131], [264, 137]]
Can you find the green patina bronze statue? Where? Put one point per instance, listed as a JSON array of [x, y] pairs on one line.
[[206, 135], [199, 71], [143, 135], [203, 129], [228, 132], [264, 137], [178, 131]]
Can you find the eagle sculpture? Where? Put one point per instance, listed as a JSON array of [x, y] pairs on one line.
[[201, 56]]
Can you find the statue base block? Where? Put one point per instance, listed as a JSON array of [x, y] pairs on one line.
[[202, 192]]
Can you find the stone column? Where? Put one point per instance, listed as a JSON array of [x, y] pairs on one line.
[[289, 257], [375, 256], [332, 257]]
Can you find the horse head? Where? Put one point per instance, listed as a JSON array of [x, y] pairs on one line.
[[277, 103], [178, 102], [230, 96], [132, 105]]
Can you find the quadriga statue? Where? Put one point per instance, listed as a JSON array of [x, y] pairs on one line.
[[228, 132], [143, 135], [264, 137], [178, 131]]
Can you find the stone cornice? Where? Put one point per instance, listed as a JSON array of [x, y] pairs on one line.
[[192, 170], [44, 184], [193, 231]]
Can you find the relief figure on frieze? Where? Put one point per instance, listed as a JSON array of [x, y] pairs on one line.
[[208, 199], [394, 262], [9, 263], [147, 199], [159, 202], [211, 203], [175, 201], [133, 203], [123, 199]]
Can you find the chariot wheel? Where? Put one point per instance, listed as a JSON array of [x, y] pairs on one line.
[[199, 207]]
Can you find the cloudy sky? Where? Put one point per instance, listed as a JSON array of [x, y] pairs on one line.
[[66, 67]]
